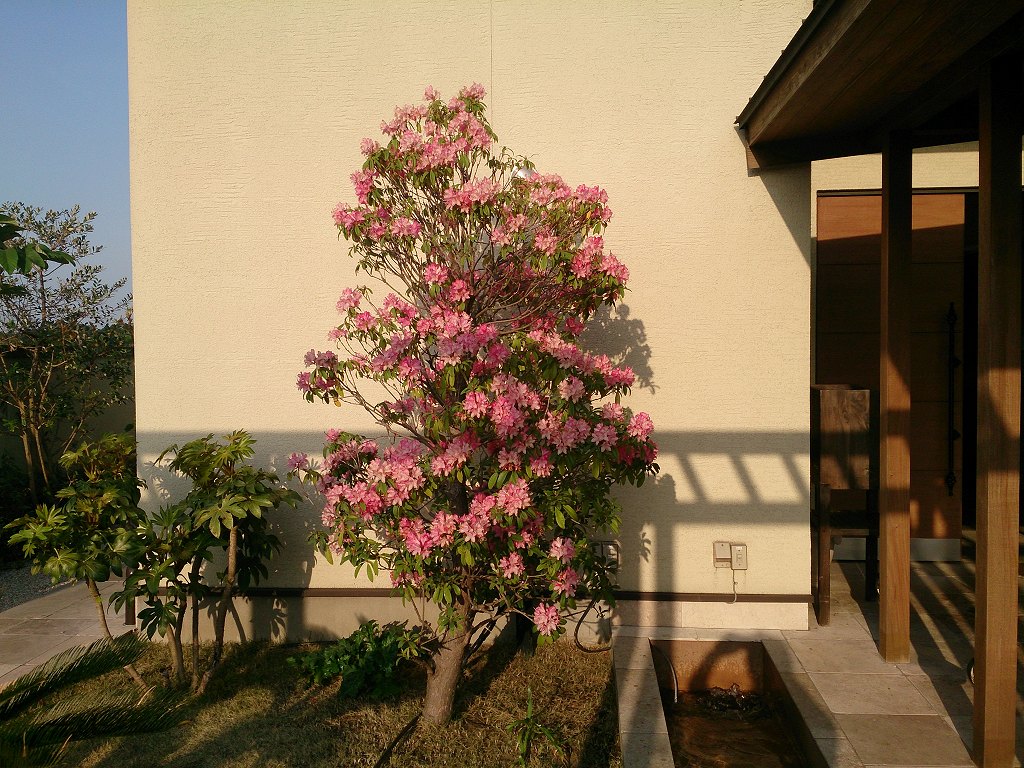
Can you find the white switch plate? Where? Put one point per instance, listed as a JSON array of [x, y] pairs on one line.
[[739, 557]]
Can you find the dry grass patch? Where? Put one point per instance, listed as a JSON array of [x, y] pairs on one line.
[[258, 712]]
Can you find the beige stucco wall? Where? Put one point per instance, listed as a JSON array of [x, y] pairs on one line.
[[245, 124]]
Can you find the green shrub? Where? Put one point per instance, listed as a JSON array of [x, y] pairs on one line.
[[367, 661]]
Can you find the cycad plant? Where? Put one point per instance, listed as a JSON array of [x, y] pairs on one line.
[[33, 733]]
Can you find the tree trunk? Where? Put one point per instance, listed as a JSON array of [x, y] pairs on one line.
[[222, 607], [177, 655], [443, 679], [98, 599], [43, 468], [193, 580], [30, 466]]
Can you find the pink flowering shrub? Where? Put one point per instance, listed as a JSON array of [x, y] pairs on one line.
[[506, 437]]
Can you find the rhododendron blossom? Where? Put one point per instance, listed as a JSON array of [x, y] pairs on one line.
[[562, 549], [566, 581], [501, 437], [547, 618]]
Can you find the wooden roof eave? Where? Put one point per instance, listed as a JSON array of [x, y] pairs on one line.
[[803, 111]]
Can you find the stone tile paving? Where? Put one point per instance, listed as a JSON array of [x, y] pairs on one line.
[[36, 631], [643, 734]]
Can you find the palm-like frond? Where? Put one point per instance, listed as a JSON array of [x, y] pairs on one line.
[[114, 716], [34, 740], [68, 668]]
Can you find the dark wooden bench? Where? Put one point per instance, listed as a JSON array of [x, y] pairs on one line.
[[844, 497]]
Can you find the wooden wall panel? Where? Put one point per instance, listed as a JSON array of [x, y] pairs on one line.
[[851, 358], [848, 298], [935, 285], [934, 514], [849, 228], [930, 361], [928, 439], [847, 358], [847, 313], [938, 228]]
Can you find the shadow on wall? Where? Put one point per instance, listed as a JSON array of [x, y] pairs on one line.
[[753, 482], [726, 480], [623, 338], [790, 190]]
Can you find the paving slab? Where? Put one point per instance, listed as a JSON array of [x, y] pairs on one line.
[[905, 740], [870, 694], [36, 631]]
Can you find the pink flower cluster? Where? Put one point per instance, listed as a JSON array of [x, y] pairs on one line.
[[471, 193], [546, 241], [571, 356], [434, 273], [512, 565], [363, 183], [476, 523], [563, 432], [566, 582], [429, 144], [454, 454], [640, 426], [350, 299], [404, 227], [547, 618], [562, 549], [513, 497]]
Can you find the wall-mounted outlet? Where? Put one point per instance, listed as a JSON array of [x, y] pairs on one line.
[[738, 557], [722, 554]]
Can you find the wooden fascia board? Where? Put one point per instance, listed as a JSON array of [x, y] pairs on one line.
[[777, 154], [915, 113], [782, 88]]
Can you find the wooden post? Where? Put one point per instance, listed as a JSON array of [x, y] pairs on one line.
[[999, 338], [894, 401]]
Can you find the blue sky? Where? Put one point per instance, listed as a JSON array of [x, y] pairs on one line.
[[64, 136]]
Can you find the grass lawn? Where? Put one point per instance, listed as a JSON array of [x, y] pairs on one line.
[[258, 712]]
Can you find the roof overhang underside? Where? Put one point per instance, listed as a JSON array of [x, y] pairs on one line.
[[858, 70]]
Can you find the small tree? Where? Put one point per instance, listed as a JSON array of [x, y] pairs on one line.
[[505, 436], [65, 336], [223, 511], [91, 533]]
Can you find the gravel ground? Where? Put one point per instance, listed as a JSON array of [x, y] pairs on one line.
[[19, 585]]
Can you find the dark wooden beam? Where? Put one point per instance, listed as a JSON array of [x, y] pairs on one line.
[[825, 33], [999, 338], [928, 57], [894, 400]]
